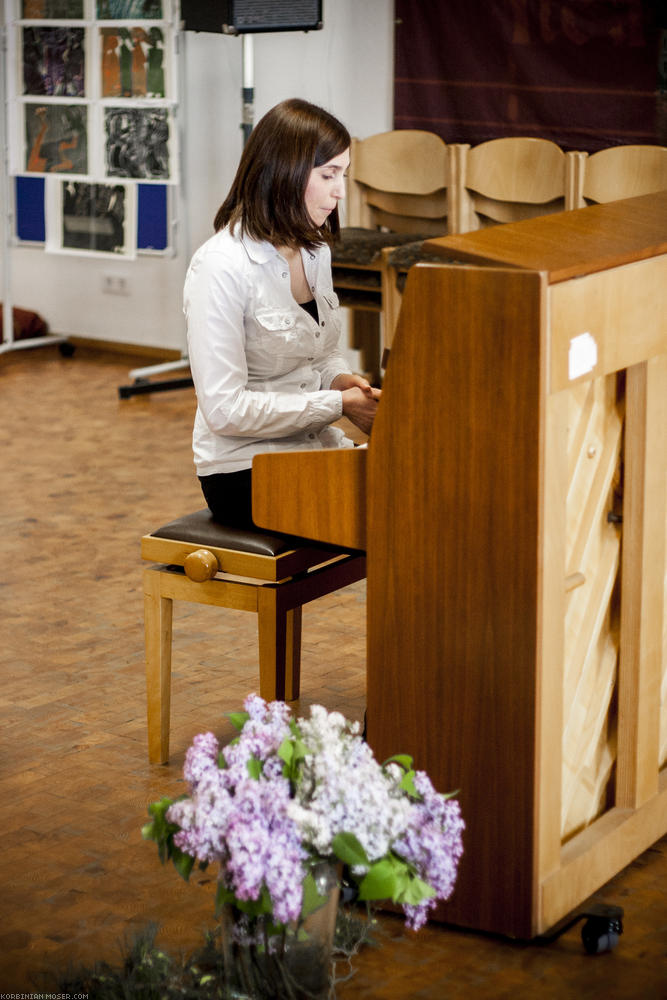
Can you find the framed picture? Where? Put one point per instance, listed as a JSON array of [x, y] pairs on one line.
[[137, 143], [97, 219], [152, 214], [133, 62], [56, 138], [129, 10], [60, 10], [53, 61]]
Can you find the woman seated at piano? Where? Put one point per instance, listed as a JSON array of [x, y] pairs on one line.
[[262, 317]]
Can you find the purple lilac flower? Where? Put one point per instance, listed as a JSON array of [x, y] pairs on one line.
[[433, 843], [239, 821], [202, 755]]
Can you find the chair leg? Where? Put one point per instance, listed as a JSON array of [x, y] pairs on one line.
[[279, 646], [157, 622]]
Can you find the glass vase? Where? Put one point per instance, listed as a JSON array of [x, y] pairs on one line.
[[285, 962]]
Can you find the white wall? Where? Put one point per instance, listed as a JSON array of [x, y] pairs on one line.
[[347, 67]]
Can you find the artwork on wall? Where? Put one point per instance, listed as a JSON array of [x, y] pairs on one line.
[[127, 10], [132, 62], [66, 10], [92, 110], [152, 229], [56, 138], [53, 61], [136, 143], [91, 218]]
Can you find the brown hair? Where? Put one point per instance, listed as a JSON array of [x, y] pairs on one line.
[[267, 196]]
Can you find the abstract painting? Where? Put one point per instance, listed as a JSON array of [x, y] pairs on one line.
[[56, 138], [132, 62], [93, 218], [53, 61], [53, 9], [136, 143], [123, 10]]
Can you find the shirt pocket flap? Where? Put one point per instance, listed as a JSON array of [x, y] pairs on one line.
[[275, 320]]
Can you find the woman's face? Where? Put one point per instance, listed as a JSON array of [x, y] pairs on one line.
[[326, 187]]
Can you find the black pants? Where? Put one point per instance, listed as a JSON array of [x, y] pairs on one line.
[[229, 497]]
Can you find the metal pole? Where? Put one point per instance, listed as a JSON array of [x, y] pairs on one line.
[[248, 89], [7, 221]]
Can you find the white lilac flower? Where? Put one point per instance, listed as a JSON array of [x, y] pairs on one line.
[[342, 788]]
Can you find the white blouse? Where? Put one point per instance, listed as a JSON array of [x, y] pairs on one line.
[[261, 365]]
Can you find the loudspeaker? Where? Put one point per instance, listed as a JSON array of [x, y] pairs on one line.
[[241, 17]]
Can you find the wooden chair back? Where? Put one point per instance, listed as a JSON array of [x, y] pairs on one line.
[[618, 172], [398, 180], [507, 180]]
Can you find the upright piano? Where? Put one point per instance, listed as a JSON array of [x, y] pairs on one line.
[[513, 505]]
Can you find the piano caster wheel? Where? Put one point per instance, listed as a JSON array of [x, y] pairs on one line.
[[600, 934], [66, 349], [601, 931]]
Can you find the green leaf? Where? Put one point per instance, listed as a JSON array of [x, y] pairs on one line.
[[415, 891], [255, 907], [403, 759], [286, 750], [380, 881], [312, 900], [254, 766], [408, 785], [183, 863], [347, 849], [238, 719], [222, 896], [160, 829]]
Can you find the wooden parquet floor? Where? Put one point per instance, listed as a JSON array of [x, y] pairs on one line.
[[84, 475]]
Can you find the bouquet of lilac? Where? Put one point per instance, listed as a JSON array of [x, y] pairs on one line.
[[287, 794]]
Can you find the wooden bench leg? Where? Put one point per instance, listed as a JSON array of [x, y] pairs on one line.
[[157, 621], [279, 647]]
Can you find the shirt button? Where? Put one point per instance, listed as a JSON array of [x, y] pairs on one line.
[[322, 323], [284, 274], [311, 359], [303, 385], [317, 334], [312, 437]]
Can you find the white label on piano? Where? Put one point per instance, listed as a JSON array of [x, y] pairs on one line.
[[582, 356]]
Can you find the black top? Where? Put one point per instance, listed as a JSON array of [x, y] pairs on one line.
[[311, 307]]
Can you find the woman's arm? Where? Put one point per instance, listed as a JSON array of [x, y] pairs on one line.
[[215, 297]]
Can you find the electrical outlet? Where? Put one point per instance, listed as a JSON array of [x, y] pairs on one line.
[[114, 284]]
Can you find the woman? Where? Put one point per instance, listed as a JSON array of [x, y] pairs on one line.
[[262, 315]]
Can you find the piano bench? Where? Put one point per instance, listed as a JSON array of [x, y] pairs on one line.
[[273, 575]]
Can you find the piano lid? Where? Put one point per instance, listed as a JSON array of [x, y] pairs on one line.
[[567, 244]]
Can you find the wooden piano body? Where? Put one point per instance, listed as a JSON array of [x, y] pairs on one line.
[[512, 502]]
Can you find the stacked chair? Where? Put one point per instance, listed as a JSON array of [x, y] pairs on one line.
[[397, 193]]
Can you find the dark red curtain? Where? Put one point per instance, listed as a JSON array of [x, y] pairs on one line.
[[583, 73]]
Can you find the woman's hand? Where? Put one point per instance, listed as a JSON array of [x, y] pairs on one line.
[[360, 400]]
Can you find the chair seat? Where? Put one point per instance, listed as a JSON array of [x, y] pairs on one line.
[[201, 528], [261, 554], [364, 246]]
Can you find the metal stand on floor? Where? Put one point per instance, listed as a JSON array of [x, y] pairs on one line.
[[9, 343], [142, 385]]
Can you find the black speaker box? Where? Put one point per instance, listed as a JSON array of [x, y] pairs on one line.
[[241, 17]]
